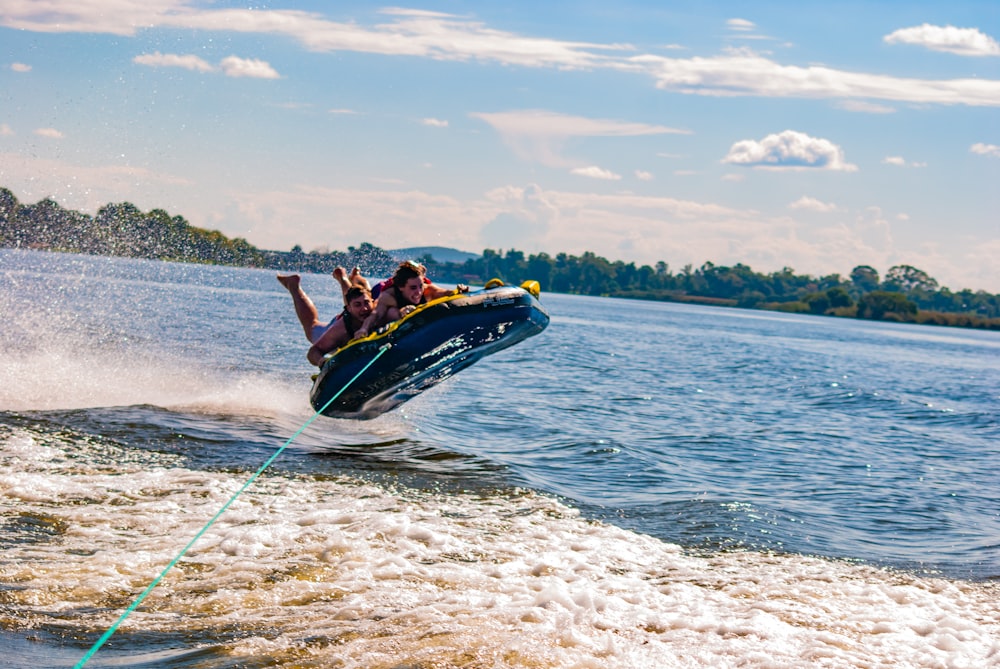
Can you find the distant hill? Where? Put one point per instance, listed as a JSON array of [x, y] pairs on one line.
[[439, 253]]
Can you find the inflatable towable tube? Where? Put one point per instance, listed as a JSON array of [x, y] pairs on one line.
[[426, 346]]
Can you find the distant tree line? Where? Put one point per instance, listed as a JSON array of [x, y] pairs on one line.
[[117, 230], [374, 261], [905, 293]]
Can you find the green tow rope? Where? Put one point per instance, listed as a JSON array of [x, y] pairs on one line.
[[107, 635]]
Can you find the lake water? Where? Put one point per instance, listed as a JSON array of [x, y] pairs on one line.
[[641, 485]]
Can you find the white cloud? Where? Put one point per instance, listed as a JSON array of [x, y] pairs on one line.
[[643, 175], [788, 150], [51, 133], [6, 130], [960, 41], [408, 32], [187, 62], [812, 204], [745, 73], [741, 25], [234, 66], [20, 67], [435, 122], [595, 172], [342, 111], [525, 214], [985, 149], [864, 107], [899, 161], [552, 124], [231, 66], [744, 30], [735, 178], [538, 135], [446, 37]]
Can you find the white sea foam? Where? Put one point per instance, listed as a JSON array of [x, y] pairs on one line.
[[345, 573], [75, 376]]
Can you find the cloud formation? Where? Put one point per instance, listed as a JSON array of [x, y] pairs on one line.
[[740, 25], [745, 73], [595, 172], [408, 33], [949, 39], [435, 122], [50, 133], [985, 149], [539, 135], [441, 36], [788, 150], [812, 204], [20, 67], [231, 66], [234, 66], [864, 107], [899, 161]]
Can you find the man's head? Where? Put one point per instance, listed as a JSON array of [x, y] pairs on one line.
[[359, 302]]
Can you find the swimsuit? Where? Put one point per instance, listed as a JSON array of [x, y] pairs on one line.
[[319, 330]]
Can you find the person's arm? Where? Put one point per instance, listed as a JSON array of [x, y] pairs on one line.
[[433, 291], [377, 317], [333, 338]]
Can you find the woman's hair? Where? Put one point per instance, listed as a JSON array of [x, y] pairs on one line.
[[407, 270]]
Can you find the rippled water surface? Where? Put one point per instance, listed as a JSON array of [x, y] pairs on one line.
[[642, 485]]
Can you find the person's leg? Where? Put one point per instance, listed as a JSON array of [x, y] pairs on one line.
[[347, 281], [358, 280], [340, 276], [304, 307]]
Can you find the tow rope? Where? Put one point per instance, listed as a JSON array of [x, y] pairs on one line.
[[111, 630]]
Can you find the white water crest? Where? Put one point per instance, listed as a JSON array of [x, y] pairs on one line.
[[344, 573]]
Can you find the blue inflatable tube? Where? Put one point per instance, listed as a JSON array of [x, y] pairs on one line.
[[428, 345]]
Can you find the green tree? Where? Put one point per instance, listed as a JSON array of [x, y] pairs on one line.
[[907, 279], [818, 302], [886, 305], [865, 278], [540, 269], [839, 297]]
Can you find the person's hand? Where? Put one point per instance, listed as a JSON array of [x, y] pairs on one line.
[[406, 310], [360, 333], [461, 288]]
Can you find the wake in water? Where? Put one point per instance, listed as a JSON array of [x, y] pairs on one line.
[[136, 398], [68, 349], [314, 572]]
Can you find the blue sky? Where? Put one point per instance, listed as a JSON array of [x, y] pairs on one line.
[[817, 136]]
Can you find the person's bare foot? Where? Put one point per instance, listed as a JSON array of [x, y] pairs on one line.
[[289, 281], [358, 280]]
